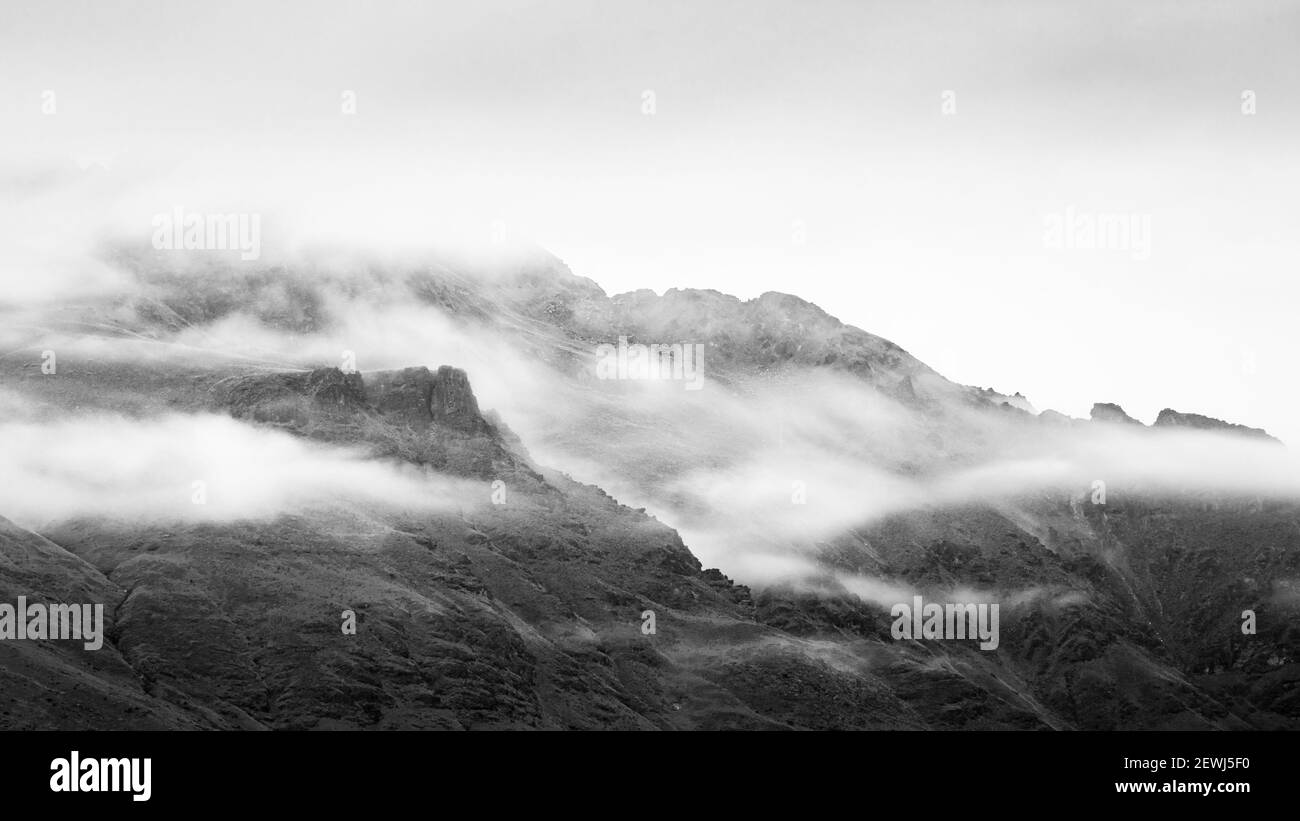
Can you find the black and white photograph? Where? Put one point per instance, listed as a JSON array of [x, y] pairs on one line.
[[896, 370]]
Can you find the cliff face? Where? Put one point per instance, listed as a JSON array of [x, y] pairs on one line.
[[294, 399], [452, 402], [411, 414], [402, 395], [419, 398]]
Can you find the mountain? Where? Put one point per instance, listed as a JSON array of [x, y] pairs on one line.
[[1172, 418], [507, 522]]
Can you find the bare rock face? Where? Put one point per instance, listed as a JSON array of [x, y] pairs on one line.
[[1109, 412], [418, 398], [1170, 418], [294, 399], [453, 404], [414, 397], [411, 414], [403, 395], [331, 388]]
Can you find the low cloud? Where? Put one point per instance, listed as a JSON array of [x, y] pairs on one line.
[[195, 468]]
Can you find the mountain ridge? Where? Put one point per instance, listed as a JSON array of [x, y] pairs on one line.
[[530, 612]]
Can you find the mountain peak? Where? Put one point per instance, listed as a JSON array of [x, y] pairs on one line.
[[1110, 412], [1170, 418]]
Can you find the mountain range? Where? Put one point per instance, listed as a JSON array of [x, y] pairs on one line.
[[232, 457]]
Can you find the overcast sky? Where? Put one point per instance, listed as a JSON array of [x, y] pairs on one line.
[[806, 147]]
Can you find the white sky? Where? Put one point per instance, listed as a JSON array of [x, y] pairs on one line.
[[923, 228]]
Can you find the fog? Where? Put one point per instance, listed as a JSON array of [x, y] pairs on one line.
[[196, 468]]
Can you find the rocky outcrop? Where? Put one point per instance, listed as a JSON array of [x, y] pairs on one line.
[[294, 399], [414, 397], [402, 395], [418, 398], [1170, 418], [997, 399], [453, 404], [1109, 412], [412, 414]]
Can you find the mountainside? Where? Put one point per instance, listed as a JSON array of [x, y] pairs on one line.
[[522, 533]]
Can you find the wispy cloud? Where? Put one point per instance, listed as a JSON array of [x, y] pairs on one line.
[[195, 468]]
